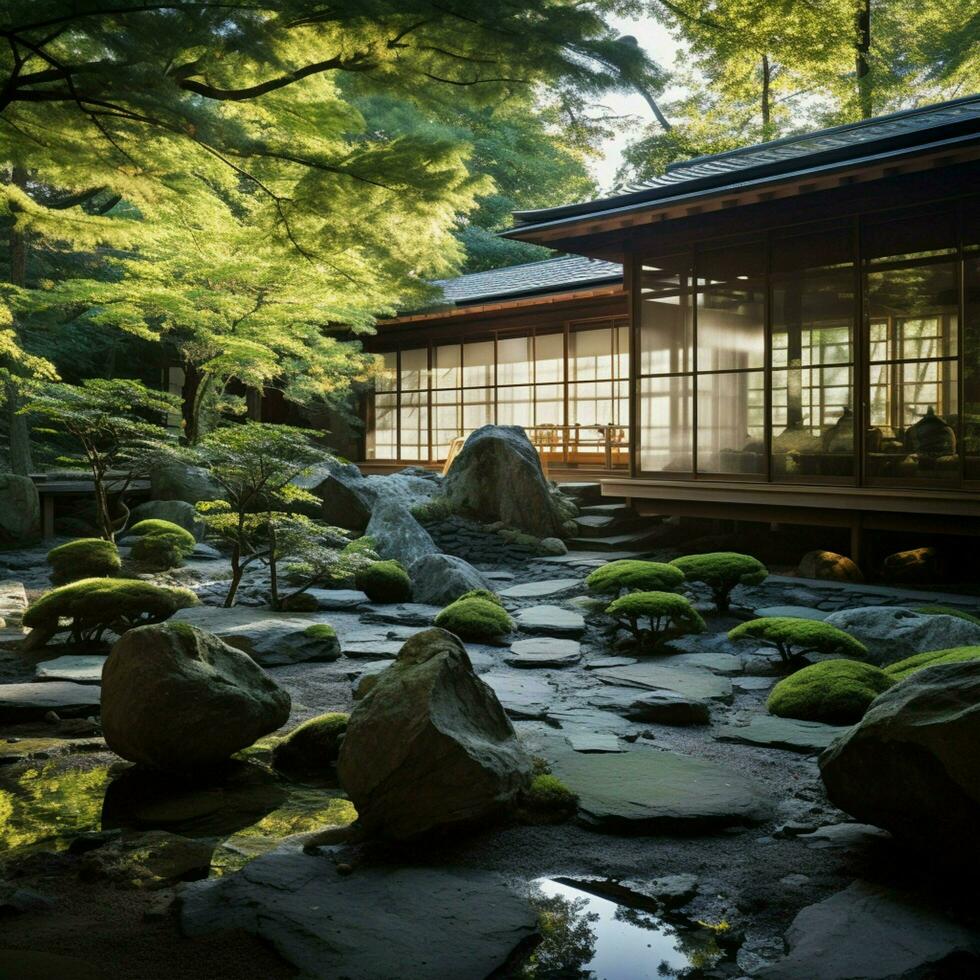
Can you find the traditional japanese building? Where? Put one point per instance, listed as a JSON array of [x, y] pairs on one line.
[[795, 336]]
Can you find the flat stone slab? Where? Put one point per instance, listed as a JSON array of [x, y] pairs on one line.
[[754, 683], [522, 695], [338, 599], [551, 621], [23, 702], [658, 707], [701, 684], [376, 923], [874, 933], [544, 651], [726, 664], [586, 741], [646, 791], [543, 590], [402, 614], [372, 649], [771, 732], [81, 670], [601, 663], [844, 836], [796, 612]]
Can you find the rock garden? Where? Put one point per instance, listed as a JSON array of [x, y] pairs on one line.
[[292, 720]]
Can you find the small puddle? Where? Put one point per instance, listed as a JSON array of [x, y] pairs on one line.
[[587, 936]]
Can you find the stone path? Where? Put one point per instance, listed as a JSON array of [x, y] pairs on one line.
[[80, 669], [551, 621], [782, 733], [23, 702]]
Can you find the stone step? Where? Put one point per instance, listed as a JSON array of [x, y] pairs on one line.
[[582, 492], [638, 540], [607, 510], [597, 526]]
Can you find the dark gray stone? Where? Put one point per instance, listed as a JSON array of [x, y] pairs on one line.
[[178, 512], [337, 599], [697, 684], [380, 923], [646, 791], [795, 612], [20, 510], [771, 732], [547, 589], [551, 621], [657, 707], [81, 669], [173, 480], [544, 651], [26, 702], [440, 579], [397, 534], [874, 933], [523, 695]]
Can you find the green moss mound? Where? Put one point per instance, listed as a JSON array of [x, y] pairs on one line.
[[320, 631], [549, 794], [919, 661], [793, 637], [835, 691], [475, 618], [363, 545], [483, 594], [948, 611], [432, 511], [384, 581], [94, 605], [653, 617], [84, 558], [161, 544], [635, 576], [312, 746], [721, 571]]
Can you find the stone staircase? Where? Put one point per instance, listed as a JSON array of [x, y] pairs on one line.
[[608, 524]]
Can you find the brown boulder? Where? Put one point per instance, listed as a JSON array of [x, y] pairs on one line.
[[829, 565]]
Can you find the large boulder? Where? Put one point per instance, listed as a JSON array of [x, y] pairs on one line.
[[179, 699], [830, 566], [441, 579], [173, 480], [396, 534], [430, 747], [348, 497], [893, 633], [915, 566], [912, 765], [178, 512], [20, 510], [497, 477]]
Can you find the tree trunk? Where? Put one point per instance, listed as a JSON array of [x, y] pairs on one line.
[[766, 103], [21, 459], [862, 64]]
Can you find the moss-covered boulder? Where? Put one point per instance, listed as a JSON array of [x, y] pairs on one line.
[[634, 576], [313, 746], [793, 637], [475, 617], [721, 571], [179, 699], [429, 747], [384, 581], [177, 512], [84, 558], [834, 691], [652, 617], [912, 665], [90, 607], [161, 544]]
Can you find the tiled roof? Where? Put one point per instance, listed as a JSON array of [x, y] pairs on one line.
[[549, 275], [792, 154]]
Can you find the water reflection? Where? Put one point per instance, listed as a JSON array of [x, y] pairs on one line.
[[589, 937]]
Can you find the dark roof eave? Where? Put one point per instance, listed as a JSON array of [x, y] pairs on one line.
[[649, 199]]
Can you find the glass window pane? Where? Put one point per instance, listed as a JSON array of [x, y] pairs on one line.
[[666, 319], [478, 364], [447, 421], [514, 361], [415, 369], [549, 358], [447, 366], [731, 310], [382, 434], [621, 368], [515, 406], [590, 354], [385, 380], [666, 415], [414, 426], [731, 408], [549, 405], [477, 408]]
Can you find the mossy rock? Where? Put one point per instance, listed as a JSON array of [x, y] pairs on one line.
[[548, 798], [482, 594], [85, 558], [653, 617], [919, 661], [313, 746], [432, 511], [384, 581], [92, 606], [364, 545], [634, 576], [948, 611], [320, 631], [721, 571], [475, 618], [834, 691], [793, 637], [161, 544]]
